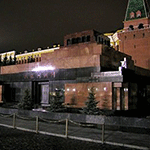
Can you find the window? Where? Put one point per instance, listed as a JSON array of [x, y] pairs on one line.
[[74, 41], [143, 35], [108, 42], [117, 47], [141, 26], [78, 40], [101, 40], [133, 35], [138, 14], [88, 38], [98, 40], [68, 42], [83, 38], [28, 59], [131, 28], [132, 15]]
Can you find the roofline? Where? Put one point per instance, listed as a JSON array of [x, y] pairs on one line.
[[127, 10], [37, 51]]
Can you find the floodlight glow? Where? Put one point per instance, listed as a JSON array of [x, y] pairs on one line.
[[44, 68], [105, 88], [125, 89]]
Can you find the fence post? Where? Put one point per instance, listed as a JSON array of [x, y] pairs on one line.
[[66, 134], [37, 124], [14, 120], [103, 132]]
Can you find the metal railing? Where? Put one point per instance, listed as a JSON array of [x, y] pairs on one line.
[[38, 119], [91, 132]]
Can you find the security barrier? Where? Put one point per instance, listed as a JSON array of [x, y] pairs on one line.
[[38, 119], [76, 130]]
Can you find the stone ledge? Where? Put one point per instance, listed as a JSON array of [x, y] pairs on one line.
[[93, 119]]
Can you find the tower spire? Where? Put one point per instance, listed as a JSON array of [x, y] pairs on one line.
[[137, 9]]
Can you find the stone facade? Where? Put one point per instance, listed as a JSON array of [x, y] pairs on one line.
[[86, 60], [76, 94], [73, 68]]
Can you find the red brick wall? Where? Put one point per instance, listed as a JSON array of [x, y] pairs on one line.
[[138, 47], [136, 22], [136, 43]]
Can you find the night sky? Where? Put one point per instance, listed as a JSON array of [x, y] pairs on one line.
[[29, 24]]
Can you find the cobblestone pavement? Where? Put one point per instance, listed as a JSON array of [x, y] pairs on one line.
[[13, 139]]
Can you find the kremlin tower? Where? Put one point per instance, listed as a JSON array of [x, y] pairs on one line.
[[135, 38]]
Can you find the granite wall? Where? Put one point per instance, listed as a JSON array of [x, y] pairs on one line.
[[76, 56], [77, 93], [93, 119], [15, 91]]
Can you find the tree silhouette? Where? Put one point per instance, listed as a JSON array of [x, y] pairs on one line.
[[91, 104], [73, 100], [27, 102], [105, 102], [56, 101]]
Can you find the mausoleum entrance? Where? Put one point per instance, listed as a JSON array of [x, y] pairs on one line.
[[40, 93]]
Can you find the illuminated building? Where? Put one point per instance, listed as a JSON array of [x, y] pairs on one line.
[[87, 59], [8, 55], [114, 39]]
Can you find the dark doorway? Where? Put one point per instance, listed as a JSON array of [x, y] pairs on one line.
[[6, 93], [36, 92], [40, 93]]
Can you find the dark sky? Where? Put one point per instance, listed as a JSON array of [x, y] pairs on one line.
[[28, 24]]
